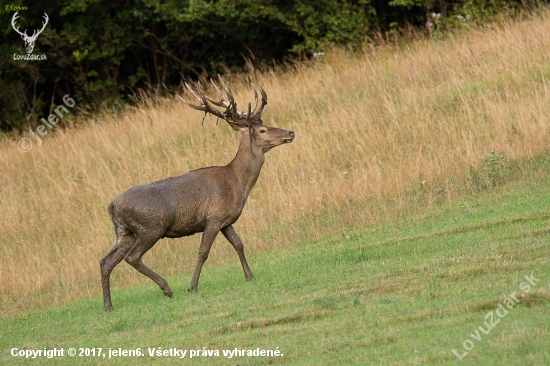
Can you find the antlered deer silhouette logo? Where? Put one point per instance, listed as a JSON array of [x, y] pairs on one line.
[[29, 40]]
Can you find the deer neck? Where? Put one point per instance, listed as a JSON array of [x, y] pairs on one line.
[[247, 164]]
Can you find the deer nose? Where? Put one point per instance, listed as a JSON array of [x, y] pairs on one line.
[[291, 134]]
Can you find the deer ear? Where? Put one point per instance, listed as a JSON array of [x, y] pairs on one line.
[[237, 126]]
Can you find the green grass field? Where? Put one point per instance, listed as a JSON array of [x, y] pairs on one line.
[[405, 292]]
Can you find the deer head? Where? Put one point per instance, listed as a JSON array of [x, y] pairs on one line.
[[261, 136], [29, 40]]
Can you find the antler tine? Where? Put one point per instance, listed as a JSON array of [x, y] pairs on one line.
[[194, 94], [220, 103], [199, 108], [13, 19], [255, 98], [234, 112], [188, 104], [44, 24], [227, 90], [224, 100], [215, 102], [249, 114], [263, 107], [200, 92], [205, 97]]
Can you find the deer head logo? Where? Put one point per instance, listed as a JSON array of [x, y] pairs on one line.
[[29, 40]]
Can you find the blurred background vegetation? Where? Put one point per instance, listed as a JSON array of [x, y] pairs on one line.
[[105, 53]]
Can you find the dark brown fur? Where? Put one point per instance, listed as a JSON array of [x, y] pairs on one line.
[[207, 200]]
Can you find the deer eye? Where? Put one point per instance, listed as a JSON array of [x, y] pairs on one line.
[[263, 131]]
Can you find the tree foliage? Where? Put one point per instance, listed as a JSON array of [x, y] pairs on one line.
[[102, 51]]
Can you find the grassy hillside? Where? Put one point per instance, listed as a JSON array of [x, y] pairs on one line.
[[379, 134], [405, 292]]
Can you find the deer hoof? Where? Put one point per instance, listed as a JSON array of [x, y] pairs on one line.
[[110, 308], [169, 294]]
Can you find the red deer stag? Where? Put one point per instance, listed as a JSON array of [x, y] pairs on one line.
[[207, 200]]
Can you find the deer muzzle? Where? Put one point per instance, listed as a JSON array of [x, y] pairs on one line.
[[290, 137]]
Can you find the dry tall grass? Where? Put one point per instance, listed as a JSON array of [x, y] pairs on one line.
[[368, 128]]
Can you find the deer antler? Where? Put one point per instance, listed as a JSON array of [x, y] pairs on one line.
[[35, 32], [231, 114], [46, 18], [13, 19], [263, 107], [205, 106]]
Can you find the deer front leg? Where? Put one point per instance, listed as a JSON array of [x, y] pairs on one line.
[[207, 239], [231, 235]]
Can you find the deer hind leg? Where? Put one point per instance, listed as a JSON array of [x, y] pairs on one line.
[[207, 239], [133, 257], [231, 235], [124, 242]]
